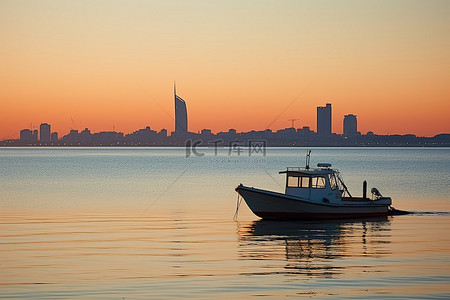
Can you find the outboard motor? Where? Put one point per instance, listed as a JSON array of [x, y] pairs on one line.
[[376, 193]]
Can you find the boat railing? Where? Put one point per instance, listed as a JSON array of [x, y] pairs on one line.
[[296, 169]]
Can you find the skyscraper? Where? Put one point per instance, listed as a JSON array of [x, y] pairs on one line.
[[181, 123], [350, 125], [324, 119], [26, 136], [44, 133]]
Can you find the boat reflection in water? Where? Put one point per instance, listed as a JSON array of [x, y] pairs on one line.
[[322, 249]]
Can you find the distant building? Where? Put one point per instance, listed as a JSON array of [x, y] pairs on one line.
[[206, 132], [107, 138], [54, 137], [324, 119], [145, 136], [287, 131], [44, 133], [85, 137], [350, 125], [26, 136], [163, 133], [181, 122], [35, 135], [304, 130], [71, 138]]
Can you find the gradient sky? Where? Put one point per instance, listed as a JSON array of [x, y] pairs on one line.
[[238, 64]]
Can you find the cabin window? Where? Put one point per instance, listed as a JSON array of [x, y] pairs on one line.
[[333, 183], [318, 182], [298, 181], [304, 182], [292, 181]]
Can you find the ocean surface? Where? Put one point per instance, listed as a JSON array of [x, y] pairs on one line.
[[140, 223]]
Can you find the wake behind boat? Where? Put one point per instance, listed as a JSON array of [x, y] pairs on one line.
[[315, 193]]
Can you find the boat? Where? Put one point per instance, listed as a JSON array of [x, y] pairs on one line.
[[315, 193]]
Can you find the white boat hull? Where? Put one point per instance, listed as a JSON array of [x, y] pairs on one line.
[[272, 205]]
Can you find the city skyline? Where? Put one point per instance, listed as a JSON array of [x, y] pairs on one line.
[[324, 116], [244, 65], [289, 136], [323, 123]]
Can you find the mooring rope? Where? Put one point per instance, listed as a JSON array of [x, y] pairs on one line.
[[238, 203]]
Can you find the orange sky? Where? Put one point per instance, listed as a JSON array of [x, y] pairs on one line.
[[251, 65]]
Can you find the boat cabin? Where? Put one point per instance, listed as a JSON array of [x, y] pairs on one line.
[[321, 183]]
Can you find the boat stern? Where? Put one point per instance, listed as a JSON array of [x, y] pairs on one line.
[[383, 201]]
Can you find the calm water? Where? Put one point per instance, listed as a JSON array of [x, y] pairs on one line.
[[134, 223]]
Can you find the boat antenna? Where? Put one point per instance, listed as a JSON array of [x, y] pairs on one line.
[[308, 157]]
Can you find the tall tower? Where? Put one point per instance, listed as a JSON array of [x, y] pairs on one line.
[[181, 123], [350, 125], [324, 119], [44, 133]]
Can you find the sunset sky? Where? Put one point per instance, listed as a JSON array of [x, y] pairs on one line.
[[238, 64]]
